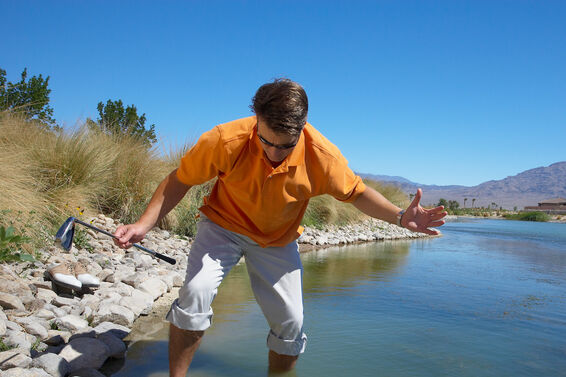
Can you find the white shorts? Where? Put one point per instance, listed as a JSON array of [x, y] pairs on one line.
[[275, 276]]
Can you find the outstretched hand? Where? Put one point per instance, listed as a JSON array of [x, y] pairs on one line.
[[419, 219]]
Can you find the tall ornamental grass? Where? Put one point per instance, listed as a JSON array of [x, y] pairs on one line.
[[49, 175]]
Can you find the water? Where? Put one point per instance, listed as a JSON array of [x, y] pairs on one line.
[[486, 299]]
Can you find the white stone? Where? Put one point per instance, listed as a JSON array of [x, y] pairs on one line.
[[37, 329], [114, 313], [84, 353], [63, 301], [154, 286], [19, 339], [139, 302], [108, 327], [46, 295], [57, 337], [23, 372], [3, 327], [72, 323], [9, 301], [53, 364], [45, 314], [13, 358]]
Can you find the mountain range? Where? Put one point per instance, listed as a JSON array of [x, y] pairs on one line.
[[524, 189]]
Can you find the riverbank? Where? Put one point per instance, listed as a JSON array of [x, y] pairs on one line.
[[45, 334]]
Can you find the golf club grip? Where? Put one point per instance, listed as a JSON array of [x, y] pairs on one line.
[[165, 258]]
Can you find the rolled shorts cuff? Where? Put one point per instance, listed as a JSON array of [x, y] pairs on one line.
[[188, 321], [287, 347]]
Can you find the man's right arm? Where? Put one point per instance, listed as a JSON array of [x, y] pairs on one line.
[[167, 195]]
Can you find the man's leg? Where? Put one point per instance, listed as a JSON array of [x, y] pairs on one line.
[[212, 255], [276, 278], [182, 347]]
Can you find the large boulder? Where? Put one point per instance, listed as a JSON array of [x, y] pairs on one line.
[[85, 353], [53, 364]]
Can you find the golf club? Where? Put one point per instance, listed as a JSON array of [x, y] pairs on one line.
[[65, 234]]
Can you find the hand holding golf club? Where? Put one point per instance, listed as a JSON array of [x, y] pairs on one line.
[[127, 235], [65, 235]]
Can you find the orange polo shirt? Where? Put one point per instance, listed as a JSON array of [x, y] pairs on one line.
[[251, 197]]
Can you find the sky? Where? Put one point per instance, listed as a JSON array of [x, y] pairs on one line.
[[438, 92]]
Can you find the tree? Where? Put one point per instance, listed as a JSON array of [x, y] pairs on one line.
[[465, 200], [453, 205], [114, 119], [27, 97], [473, 202], [443, 202]]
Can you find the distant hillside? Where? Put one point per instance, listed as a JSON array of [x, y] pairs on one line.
[[526, 188]]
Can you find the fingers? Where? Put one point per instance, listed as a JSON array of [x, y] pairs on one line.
[[123, 235], [417, 198]]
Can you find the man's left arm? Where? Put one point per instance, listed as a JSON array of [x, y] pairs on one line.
[[415, 217]]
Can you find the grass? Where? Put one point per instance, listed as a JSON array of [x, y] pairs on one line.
[[529, 216], [49, 175]]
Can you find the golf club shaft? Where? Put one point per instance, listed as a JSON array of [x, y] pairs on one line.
[[155, 254]]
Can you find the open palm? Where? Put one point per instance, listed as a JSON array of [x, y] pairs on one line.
[[419, 219]]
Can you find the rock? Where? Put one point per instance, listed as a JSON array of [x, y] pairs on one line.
[[142, 260], [63, 301], [102, 275], [53, 364], [9, 301], [19, 339], [57, 337], [72, 323], [57, 311], [86, 333], [123, 289], [87, 372], [108, 327], [136, 279], [46, 295], [85, 353], [36, 328], [14, 358], [114, 313], [45, 314], [116, 346], [22, 372], [154, 286], [3, 327]]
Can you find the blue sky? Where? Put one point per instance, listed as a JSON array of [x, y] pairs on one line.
[[439, 92]]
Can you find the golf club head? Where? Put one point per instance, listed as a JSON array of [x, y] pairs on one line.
[[65, 234]]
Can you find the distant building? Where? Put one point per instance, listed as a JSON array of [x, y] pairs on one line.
[[550, 205]]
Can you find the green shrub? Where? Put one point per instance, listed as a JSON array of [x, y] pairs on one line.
[[529, 216], [10, 244]]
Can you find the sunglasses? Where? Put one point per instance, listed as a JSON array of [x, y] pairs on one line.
[[278, 146]]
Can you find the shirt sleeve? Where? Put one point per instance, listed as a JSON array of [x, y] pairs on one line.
[[204, 161], [342, 183]]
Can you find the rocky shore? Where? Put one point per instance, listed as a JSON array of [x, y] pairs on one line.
[[43, 333]]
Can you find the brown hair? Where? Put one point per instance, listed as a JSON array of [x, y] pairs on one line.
[[283, 104]]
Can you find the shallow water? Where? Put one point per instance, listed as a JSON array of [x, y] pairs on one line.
[[486, 299]]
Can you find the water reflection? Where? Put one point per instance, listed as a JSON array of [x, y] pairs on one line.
[[335, 270]]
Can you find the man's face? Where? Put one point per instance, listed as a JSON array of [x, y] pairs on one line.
[[275, 145]]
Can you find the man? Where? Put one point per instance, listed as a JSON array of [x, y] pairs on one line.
[[268, 167]]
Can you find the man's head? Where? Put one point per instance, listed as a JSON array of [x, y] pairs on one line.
[[283, 105], [281, 108]]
